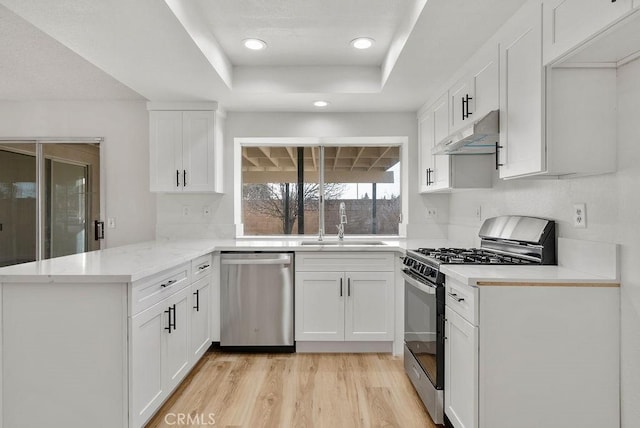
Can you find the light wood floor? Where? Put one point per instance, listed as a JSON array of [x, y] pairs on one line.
[[296, 390]]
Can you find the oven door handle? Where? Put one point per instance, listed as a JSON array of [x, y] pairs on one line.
[[425, 288]]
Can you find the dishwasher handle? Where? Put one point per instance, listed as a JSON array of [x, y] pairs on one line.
[[280, 260]]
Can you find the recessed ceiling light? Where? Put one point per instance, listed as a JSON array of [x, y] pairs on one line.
[[362, 43], [254, 44], [321, 103]]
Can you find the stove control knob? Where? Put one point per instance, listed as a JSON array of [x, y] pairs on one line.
[[428, 271]]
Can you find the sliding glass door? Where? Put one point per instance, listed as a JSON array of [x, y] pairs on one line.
[[49, 199], [18, 203]]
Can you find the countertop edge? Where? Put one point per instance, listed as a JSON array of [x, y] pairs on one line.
[[519, 283]]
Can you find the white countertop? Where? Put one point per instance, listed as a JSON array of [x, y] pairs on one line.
[[136, 261], [475, 275]]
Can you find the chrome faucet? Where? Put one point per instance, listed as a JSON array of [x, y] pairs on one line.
[[343, 221]]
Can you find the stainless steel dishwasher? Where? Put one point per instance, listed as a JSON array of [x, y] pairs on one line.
[[257, 301]]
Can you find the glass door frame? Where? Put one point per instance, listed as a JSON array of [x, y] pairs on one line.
[[41, 173]]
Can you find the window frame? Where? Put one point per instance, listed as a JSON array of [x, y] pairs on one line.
[[240, 142]]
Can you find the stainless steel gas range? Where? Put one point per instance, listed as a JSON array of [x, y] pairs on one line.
[[505, 240]]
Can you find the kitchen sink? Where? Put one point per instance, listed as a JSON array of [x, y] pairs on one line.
[[346, 243]]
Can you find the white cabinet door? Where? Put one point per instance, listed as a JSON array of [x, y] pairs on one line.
[[425, 144], [319, 309], [441, 118], [460, 371], [200, 308], [567, 23], [440, 173], [484, 84], [147, 392], [521, 94], [183, 151], [369, 306], [165, 136], [461, 97], [176, 344], [198, 151]]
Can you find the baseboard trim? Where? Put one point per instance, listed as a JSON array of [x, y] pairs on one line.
[[344, 347]]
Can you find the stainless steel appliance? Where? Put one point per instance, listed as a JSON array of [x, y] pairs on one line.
[[256, 296], [504, 240]]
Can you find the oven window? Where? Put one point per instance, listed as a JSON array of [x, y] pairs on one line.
[[420, 328]]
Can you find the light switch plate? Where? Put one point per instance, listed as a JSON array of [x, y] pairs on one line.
[[580, 216]]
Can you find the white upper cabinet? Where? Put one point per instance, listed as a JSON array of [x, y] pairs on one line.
[[434, 127], [198, 146], [521, 94], [568, 23], [472, 96], [185, 153], [462, 95], [484, 82], [441, 173], [425, 144], [441, 118], [476, 94], [553, 121]]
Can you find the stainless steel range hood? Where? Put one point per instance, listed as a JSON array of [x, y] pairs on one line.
[[480, 137]]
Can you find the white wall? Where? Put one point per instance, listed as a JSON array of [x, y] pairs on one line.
[[172, 223], [125, 128], [613, 215]]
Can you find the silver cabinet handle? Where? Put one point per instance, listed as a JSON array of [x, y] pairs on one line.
[[455, 297]]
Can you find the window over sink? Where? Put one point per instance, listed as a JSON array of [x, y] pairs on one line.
[[282, 181]]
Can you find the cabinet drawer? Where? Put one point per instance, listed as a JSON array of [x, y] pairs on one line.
[[202, 266], [149, 291], [463, 299], [343, 261]]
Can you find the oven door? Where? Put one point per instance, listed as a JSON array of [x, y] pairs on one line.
[[424, 326]]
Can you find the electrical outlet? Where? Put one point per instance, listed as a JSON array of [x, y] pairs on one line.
[[479, 211], [185, 210], [432, 213], [111, 222], [580, 216], [206, 211]]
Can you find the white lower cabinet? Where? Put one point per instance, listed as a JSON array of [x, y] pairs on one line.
[[368, 314], [333, 304], [176, 345], [319, 306], [115, 350], [526, 356], [147, 339], [344, 306], [159, 354], [461, 371], [200, 309]]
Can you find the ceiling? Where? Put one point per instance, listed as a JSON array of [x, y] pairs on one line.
[[33, 66], [176, 50]]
